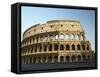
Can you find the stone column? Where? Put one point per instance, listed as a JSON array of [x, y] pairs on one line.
[[64, 58], [41, 47], [47, 48], [58, 58], [36, 59], [53, 47], [70, 58], [46, 59], [52, 59], [76, 59], [81, 58]]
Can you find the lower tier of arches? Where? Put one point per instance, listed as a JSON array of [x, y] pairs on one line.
[[56, 58]]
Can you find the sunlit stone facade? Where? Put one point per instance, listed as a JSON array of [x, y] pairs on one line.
[[55, 41]]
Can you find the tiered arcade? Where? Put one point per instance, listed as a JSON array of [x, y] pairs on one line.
[[55, 41]]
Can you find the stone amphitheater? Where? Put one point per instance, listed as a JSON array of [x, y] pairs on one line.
[[56, 41]]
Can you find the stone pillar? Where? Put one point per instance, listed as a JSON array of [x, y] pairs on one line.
[[48, 38], [52, 59], [53, 47], [53, 37], [76, 59], [64, 58], [64, 47], [41, 47], [58, 58], [58, 37], [41, 59], [47, 48], [34, 39], [58, 47], [37, 48], [46, 59], [70, 58], [70, 47], [36, 59], [81, 58]]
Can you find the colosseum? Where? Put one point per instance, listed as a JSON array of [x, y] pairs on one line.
[[56, 41]]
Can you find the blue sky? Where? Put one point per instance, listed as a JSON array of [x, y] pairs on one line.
[[38, 15]]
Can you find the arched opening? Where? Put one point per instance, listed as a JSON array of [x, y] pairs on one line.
[[61, 37], [84, 58], [36, 39], [51, 37], [39, 59], [34, 59], [55, 47], [50, 47], [88, 57], [45, 48], [67, 47], [73, 58], [77, 37], [72, 37], [78, 47], [79, 58], [83, 47], [30, 60], [44, 59], [26, 60], [66, 37], [73, 47], [67, 59], [35, 48], [49, 59], [56, 37], [40, 48], [93, 57], [31, 49], [88, 47], [55, 59], [61, 47], [61, 59]]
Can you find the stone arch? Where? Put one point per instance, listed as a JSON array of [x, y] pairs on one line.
[[84, 58], [39, 59], [67, 47], [40, 48], [26, 61], [30, 60], [35, 48], [61, 47], [83, 47], [56, 47], [61, 37], [49, 59], [88, 48], [79, 58], [56, 37], [88, 57], [61, 58], [31, 49], [67, 58], [45, 48], [44, 59], [66, 37], [73, 58], [77, 37], [55, 58], [34, 59], [72, 37], [78, 47], [50, 47], [73, 47]]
